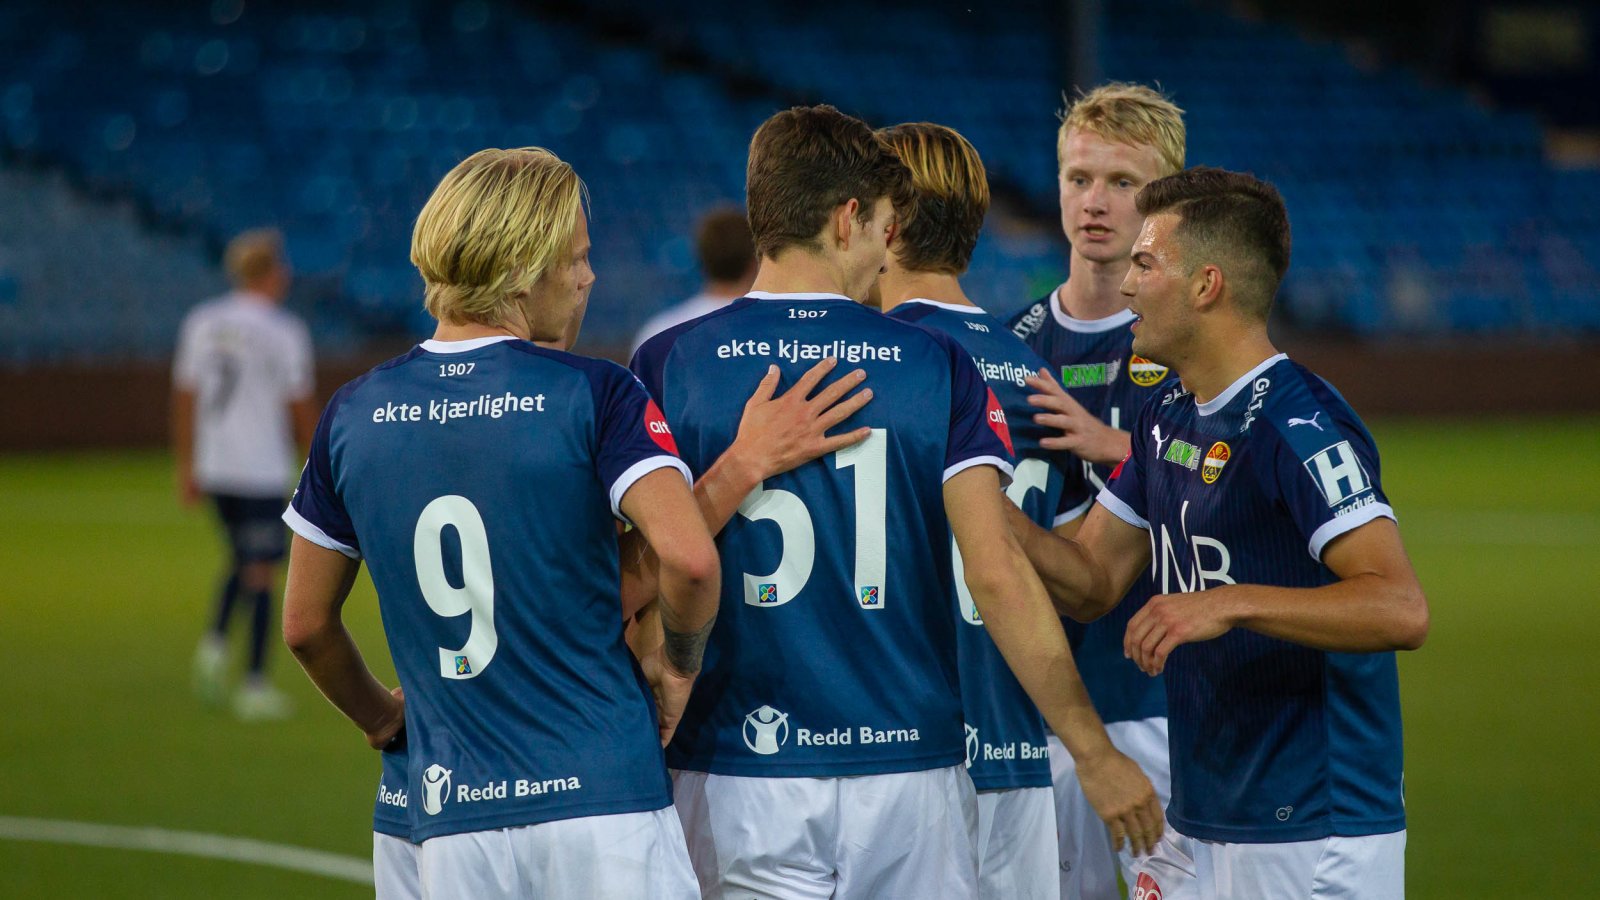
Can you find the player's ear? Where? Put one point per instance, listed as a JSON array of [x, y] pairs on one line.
[[845, 223], [1207, 286]]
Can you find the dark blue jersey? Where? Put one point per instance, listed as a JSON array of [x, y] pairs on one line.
[[1271, 741], [1005, 734], [834, 652], [1094, 360], [480, 481], [391, 811]]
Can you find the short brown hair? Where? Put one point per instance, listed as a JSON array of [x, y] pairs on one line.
[[1127, 113], [253, 254], [1228, 217], [494, 224], [723, 243], [951, 201], [804, 163]]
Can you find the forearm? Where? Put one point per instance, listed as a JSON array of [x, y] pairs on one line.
[[182, 430], [1361, 614], [688, 609], [330, 657], [1112, 447], [640, 570], [723, 487], [1019, 618], [1077, 585]]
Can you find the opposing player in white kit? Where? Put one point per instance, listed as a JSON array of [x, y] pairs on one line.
[[1253, 493], [1007, 756], [821, 753], [1111, 142], [480, 477], [241, 401]]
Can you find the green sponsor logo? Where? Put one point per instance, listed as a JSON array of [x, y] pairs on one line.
[[1090, 374], [1184, 454]]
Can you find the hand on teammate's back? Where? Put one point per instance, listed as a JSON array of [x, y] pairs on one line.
[[1124, 798], [779, 433], [1082, 432]]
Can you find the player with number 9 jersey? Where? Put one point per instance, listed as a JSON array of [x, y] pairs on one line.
[[481, 478]]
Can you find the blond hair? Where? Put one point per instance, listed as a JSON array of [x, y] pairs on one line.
[[252, 255], [493, 226], [952, 197], [1126, 113]]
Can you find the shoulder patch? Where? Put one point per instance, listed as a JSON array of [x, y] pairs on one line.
[[1031, 321], [656, 424], [995, 415]]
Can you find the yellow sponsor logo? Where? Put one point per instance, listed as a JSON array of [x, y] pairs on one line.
[[1216, 458], [1144, 372]]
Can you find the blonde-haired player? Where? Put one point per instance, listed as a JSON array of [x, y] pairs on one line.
[[1112, 141], [1006, 750], [480, 477]]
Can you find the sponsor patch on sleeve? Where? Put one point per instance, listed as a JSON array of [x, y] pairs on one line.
[[656, 424], [996, 417]]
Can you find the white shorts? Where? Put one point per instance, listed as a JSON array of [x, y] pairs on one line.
[[394, 868], [1334, 868], [901, 836], [1088, 867], [1016, 845], [630, 855]]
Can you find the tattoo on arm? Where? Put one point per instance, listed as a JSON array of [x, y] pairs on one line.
[[683, 649]]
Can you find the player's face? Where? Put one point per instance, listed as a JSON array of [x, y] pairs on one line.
[[869, 250], [1158, 290], [562, 292], [1099, 179]]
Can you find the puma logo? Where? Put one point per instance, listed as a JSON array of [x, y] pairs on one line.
[[1311, 421], [1155, 432]]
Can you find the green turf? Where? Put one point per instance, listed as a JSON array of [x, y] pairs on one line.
[[107, 582]]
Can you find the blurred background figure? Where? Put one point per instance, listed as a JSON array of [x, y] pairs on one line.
[[727, 260], [241, 402]]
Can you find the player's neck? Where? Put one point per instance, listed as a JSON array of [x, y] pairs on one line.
[[796, 271], [1220, 360], [1093, 289], [898, 286], [451, 331]]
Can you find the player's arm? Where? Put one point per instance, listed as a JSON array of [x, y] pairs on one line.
[[1018, 615], [313, 600], [1086, 575], [182, 430], [662, 507], [776, 434], [1376, 605], [780, 433], [1082, 432]]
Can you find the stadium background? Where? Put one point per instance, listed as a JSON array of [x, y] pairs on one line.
[[1441, 163]]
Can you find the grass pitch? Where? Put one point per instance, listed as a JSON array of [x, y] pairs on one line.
[[107, 583]]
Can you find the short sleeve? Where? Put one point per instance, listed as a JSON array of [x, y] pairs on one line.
[[1326, 479], [1076, 493], [1124, 493], [648, 362], [186, 358], [979, 434], [316, 511], [300, 370], [632, 435]]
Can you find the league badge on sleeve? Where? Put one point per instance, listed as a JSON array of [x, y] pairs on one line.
[[656, 424]]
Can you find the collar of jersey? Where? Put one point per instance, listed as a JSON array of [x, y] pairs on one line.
[[433, 346], [1221, 400], [1088, 326], [769, 295], [952, 307]]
